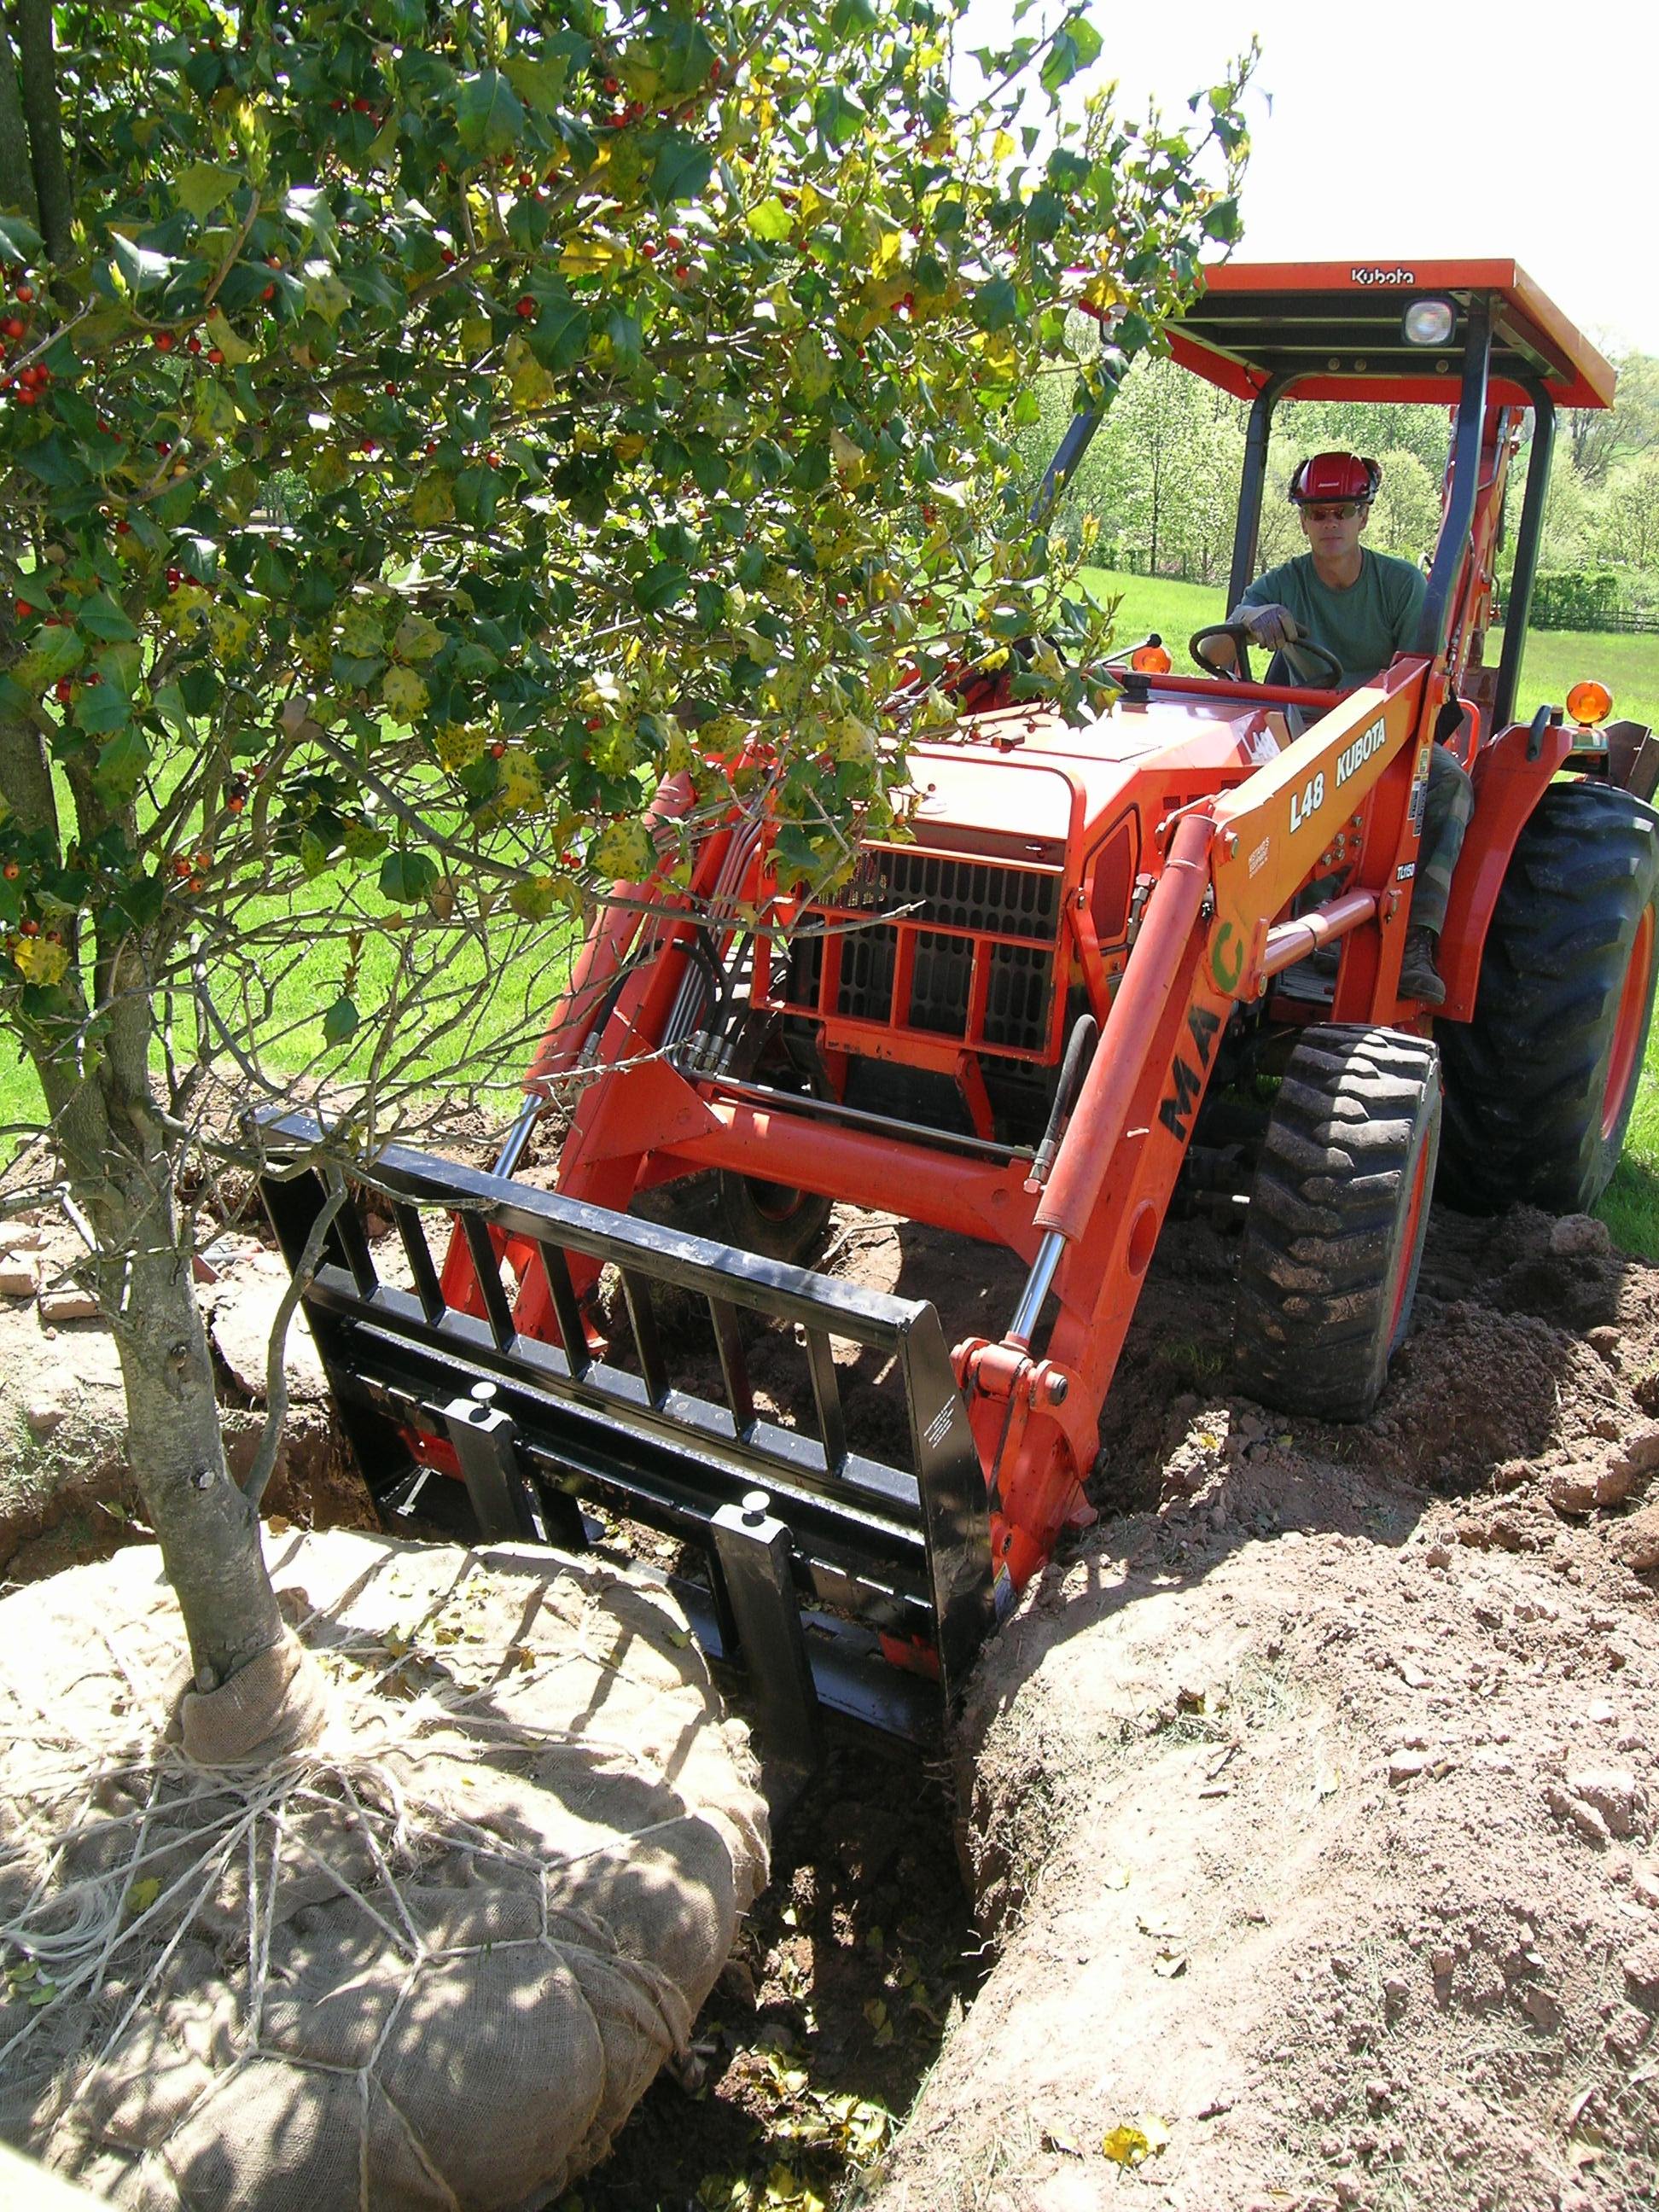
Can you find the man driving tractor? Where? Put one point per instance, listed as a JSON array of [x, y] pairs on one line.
[[1364, 607]]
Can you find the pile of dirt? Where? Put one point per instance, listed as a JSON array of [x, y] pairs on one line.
[[1310, 1802], [67, 1494]]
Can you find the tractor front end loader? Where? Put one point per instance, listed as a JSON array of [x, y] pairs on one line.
[[1017, 1028]]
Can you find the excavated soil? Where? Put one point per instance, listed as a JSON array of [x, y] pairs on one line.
[[1308, 1804]]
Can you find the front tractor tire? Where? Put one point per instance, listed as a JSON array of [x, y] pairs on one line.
[[1540, 1084], [1337, 1217]]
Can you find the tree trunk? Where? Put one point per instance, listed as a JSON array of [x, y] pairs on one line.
[[38, 75], [209, 1533], [121, 1172], [16, 177]]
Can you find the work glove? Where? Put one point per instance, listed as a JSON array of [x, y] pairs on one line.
[[1271, 625]]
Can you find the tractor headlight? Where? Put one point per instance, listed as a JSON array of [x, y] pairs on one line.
[[1429, 322]]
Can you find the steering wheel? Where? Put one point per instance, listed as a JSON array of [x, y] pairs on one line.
[[1303, 649]]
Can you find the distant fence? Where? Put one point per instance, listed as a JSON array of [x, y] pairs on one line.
[[1625, 619]]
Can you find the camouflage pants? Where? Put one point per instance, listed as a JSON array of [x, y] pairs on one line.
[[1446, 815]]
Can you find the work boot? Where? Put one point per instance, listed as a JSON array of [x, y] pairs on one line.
[[1420, 978]]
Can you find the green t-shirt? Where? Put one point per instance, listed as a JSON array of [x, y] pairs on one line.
[[1364, 626]]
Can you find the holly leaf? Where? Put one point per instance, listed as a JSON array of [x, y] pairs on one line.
[[681, 170], [340, 1022], [20, 242], [99, 616], [120, 764], [203, 186], [100, 709], [660, 586], [141, 267], [771, 221], [221, 334], [405, 877], [488, 114], [539, 84], [1074, 49]]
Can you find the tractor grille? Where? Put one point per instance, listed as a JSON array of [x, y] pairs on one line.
[[945, 909], [948, 893]]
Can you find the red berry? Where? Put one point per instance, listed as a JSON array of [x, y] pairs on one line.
[[14, 326], [611, 84], [65, 691], [269, 292], [11, 872], [22, 609], [162, 445], [449, 256], [193, 343], [497, 751], [215, 355], [162, 341], [27, 399], [360, 107], [26, 293], [273, 261], [524, 307], [237, 801], [123, 527], [494, 460], [29, 928], [391, 391]]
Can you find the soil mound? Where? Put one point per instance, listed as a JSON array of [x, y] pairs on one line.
[[1311, 1804], [433, 1958]]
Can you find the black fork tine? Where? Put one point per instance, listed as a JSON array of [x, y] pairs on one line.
[[826, 1396], [419, 1254], [566, 1312], [734, 1367], [642, 1319], [349, 1229], [497, 1311]]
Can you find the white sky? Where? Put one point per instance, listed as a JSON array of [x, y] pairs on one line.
[[1426, 129]]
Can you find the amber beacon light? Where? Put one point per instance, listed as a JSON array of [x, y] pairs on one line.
[[1589, 703]]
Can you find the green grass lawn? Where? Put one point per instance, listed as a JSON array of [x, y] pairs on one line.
[[1554, 660]]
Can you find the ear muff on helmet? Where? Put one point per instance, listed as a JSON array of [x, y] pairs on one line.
[[1330, 476]]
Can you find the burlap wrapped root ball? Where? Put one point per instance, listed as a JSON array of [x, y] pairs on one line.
[[431, 1959]]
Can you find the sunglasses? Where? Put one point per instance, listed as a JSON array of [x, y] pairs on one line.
[[1340, 510]]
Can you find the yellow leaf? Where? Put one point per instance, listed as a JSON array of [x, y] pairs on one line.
[[143, 1895], [403, 694], [1132, 2142], [590, 255], [221, 334], [40, 960]]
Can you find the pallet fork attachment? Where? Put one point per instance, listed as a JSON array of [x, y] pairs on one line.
[[820, 1565]]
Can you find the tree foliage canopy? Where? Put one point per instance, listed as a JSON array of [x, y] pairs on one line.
[[423, 428], [545, 398]]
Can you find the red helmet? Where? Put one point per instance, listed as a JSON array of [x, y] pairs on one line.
[[1335, 477]]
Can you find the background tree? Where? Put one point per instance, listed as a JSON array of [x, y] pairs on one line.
[[424, 427]]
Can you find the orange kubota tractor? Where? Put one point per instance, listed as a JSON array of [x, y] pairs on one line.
[[1014, 1028]]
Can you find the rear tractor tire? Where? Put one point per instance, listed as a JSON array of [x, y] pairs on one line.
[[1540, 1084], [1338, 1214]]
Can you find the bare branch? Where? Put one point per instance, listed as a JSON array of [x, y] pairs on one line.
[[264, 1459]]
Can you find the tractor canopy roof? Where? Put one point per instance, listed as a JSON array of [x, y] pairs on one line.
[[1337, 329]]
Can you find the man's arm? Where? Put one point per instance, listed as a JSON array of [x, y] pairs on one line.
[[1264, 614], [1409, 610]]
